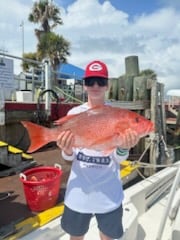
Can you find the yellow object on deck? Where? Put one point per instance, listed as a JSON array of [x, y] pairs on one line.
[[32, 223], [3, 144], [12, 156], [127, 168], [14, 149]]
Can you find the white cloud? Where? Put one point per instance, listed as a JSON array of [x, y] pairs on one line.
[[99, 31], [12, 15], [13, 12]]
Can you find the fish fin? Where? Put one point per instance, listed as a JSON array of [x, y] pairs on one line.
[[64, 119], [39, 136], [70, 116]]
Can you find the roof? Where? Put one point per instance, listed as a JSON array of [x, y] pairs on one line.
[[70, 71]]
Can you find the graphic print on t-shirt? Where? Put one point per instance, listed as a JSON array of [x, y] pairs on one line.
[[104, 160]]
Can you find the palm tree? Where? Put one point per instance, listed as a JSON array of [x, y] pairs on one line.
[[54, 47], [50, 45], [32, 56], [44, 12]]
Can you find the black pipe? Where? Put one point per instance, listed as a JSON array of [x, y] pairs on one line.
[[41, 115]]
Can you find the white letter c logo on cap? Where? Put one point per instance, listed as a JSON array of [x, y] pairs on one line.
[[95, 67]]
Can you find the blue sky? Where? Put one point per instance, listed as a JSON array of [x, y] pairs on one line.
[[135, 7], [132, 7], [105, 30]]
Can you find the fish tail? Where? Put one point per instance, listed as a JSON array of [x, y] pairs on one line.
[[39, 135]]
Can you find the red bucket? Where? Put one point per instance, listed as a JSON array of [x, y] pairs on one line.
[[41, 186]]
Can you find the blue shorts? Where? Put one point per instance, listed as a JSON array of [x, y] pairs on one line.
[[77, 224]]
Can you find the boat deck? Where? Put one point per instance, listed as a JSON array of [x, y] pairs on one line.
[[53, 231], [148, 226], [14, 207], [150, 221], [15, 214]]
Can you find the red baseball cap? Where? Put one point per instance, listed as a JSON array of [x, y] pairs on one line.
[[96, 69]]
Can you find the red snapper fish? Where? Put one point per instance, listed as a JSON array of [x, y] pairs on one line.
[[100, 128]]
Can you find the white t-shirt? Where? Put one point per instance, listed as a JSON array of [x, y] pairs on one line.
[[94, 184]]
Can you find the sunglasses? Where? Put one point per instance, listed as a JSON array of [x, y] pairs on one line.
[[102, 82]]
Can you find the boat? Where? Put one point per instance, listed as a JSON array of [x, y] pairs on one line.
[[152, 207], [151, 211]]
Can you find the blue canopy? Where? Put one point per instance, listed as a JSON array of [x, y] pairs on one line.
[[67, 70]]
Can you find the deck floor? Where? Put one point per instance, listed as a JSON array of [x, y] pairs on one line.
[[53, 231], [14, 208], [150, 221]]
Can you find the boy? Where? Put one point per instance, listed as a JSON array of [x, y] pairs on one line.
[[94, 186]]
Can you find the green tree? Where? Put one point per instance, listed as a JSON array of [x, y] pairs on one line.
[[47, 14], [54, 47], [50, 45], [26, 65]]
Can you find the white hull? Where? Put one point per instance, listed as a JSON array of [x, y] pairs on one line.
[[145, 206]]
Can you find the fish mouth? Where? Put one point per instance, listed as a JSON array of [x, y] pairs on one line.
[[151, 128]]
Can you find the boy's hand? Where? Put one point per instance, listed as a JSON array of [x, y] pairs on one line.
[[129, 139], [65, 141]]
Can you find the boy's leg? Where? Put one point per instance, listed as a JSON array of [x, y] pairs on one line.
[[110, 224], [74, 223]]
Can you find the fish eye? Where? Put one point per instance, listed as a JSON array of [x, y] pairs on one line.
[[137, 119]]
